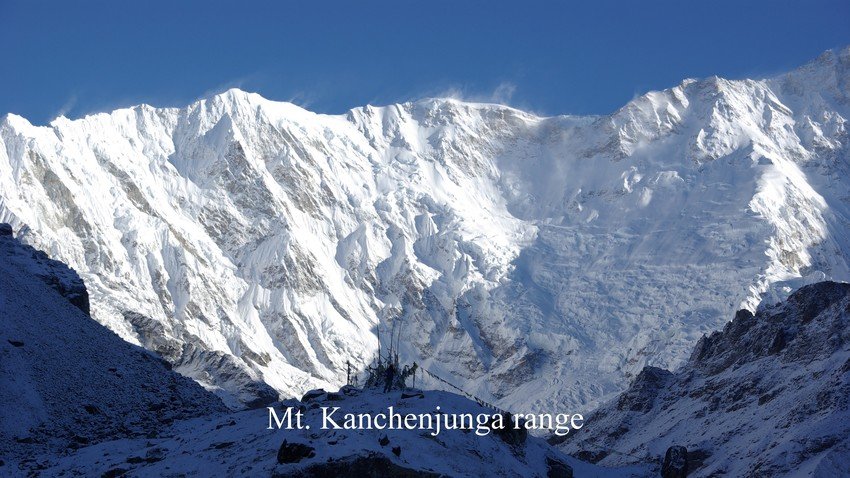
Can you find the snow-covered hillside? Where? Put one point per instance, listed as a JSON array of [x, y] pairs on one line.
[[767, 396], [534, 261], [66, 381], [240, 444]]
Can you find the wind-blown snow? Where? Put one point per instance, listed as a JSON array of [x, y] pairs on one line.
[[533, 261]]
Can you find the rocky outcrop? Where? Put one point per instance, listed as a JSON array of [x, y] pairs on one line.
[[675, 463], [766, 396], [557, 469], [641, 396], [294, 452]]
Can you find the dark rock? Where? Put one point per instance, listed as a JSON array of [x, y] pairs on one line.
[[590, 456], [675, 463], [813, 299], [397, 450], [372, 465], [696, 458], [294, 452], [335, 397], [114, 472], [743, 314], [510, 433], [384, 440], [264, 396], [640, 397], [557, 469], [312, 395], [222, 445], [79, 297], [412, 395], [92, 410], [349, 390], [229, 423], [16, 343], [6, 229], [778, 343]]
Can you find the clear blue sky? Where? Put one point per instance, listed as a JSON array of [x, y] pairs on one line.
[[78, 57]]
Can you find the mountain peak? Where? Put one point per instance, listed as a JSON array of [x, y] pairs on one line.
[[231, 95]]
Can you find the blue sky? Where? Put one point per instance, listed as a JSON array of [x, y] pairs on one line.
[[75, 58]]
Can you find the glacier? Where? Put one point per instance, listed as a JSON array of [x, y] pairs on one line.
[[536, 262]]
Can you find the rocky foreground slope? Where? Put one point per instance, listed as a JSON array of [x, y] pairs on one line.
[[65, 380], [536, 262], [768, 396]]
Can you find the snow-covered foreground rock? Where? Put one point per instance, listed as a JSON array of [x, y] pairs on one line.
[[65, 380], [239, 444], [536, 262], [767, 396]]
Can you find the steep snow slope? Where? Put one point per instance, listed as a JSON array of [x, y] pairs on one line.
[[65, 380], [767, 396], [533, 261]]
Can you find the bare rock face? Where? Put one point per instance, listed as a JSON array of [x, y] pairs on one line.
[[763, 397], [641, 396]]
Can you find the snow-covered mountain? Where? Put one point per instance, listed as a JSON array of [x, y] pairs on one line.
[[533, 261], [767, 396]]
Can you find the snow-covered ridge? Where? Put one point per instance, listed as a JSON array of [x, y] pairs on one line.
[[534, 261]]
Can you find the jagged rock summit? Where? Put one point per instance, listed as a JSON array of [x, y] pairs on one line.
[[537, 261]]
